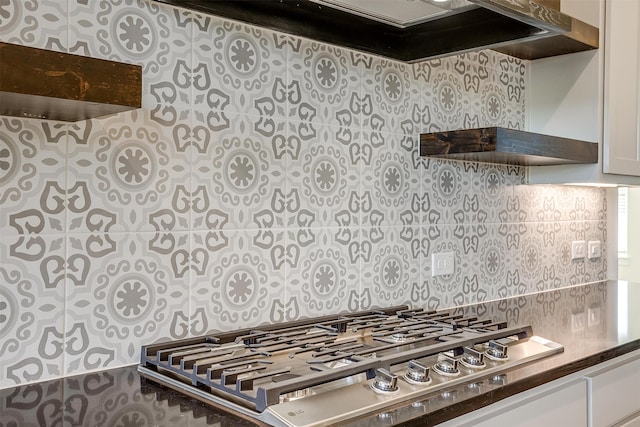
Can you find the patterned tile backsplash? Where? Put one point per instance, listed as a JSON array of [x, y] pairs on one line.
[[266, 178]]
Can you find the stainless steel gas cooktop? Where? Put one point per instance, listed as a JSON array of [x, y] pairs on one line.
[[338, 368]]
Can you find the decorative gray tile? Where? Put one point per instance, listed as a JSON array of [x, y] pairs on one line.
[[388, 96], [390, 180], [390, 269], [595, 269], [448, 104], [492, 199], [127, 175], [437, 291], [545, 255], [509, 83], [31, 308], [256, 185], [492, 264], [242, 67], [561, 203], [327, 78], [483, 266], [321, 174], [448, 184], [126, 298], [34, 23], [242, 175], [323, 279], [32, 176], [146, 33], [242, 283]]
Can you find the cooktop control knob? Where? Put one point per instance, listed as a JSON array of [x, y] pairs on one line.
[[447, 366], [496, 351], [384, 381], [417, 373], [472, 358]]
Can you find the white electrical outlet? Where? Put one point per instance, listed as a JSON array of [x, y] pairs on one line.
[[578, 249], [442, 263], [594, 249]]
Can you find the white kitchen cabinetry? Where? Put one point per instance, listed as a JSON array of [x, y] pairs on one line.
[[557, 405], [615, 393], [605, 395], [621, 154], [593, 96]]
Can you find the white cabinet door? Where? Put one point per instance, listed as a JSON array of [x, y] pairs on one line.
[[621, 150], [562, 405], [615, 393]]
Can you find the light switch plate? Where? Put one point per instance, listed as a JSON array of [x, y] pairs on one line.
[[594, 249]]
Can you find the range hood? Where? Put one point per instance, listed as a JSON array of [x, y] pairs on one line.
[[414, 30], [507, 146], [43, 84]]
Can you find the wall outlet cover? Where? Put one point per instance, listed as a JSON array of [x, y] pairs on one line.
[[578, 249], [442, 263]]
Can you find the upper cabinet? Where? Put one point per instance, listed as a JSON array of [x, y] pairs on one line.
[[593, 96], [621, 135]]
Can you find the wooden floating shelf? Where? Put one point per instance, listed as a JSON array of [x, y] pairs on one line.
[[44, 84], [507, 146]]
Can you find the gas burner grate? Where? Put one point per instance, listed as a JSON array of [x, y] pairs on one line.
[[243, 367]]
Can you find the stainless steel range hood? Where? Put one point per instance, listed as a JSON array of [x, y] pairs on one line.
[[414, 30]]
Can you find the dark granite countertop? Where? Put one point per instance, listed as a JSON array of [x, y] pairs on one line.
[[594, 322]]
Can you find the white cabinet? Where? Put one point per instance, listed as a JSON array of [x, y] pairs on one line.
[[593, 96], [564, 405], [615, 393], [621, 150], [605, 395]]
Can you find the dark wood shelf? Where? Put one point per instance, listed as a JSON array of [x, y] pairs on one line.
[[44, 84], [507, 146]]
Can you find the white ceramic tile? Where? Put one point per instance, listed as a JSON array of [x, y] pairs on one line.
[[243, 176], [32, 176], [32, 273], [242, 67], [390, 181], [241, 283], [321, 174], [389, 270], [327, 79], [146, 33], [128, 175], [388, 95], [127, 297], [322, 278], [35, 23]]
